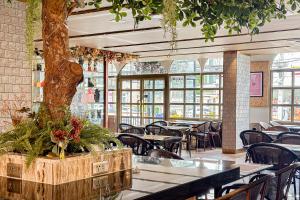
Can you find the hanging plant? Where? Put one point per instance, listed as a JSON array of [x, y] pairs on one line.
[[169, 21]]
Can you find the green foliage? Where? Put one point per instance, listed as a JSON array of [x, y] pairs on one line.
[[32, 137]]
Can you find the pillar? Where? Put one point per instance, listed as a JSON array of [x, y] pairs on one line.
[[236, 98]]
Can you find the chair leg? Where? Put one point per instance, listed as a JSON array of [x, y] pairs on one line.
[[204, 144], [213, 141]]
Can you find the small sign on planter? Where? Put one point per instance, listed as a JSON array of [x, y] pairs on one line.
[[14, 170]]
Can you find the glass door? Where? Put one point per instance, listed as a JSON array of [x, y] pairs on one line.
[[142, 100]]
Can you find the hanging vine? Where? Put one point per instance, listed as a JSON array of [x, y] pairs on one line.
[[169, 21]]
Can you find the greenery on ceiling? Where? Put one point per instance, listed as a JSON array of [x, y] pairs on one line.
[[210, 15]]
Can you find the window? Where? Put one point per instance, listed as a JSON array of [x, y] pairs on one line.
[[285, 84], [195, 95], [139, 68]]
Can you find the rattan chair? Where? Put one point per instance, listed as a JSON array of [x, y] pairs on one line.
[[156, 129], [124, 126], [159, 153], [271, 154], [249, 137], [253, 191], [138, 145], [201, 133], [215, 131], [134, 130], [295, 139], [160, 123], [287, 134]]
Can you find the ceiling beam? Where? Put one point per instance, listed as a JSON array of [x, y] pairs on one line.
[[209, 52], [111, 33], [200, 38], [94, 10], [217, 45]]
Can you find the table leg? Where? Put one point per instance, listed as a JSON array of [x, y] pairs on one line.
[[216, 191]]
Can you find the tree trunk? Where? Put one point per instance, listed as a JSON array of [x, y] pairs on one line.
[[61, 75]]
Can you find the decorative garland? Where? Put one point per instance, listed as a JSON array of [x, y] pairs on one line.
[[92, 53]]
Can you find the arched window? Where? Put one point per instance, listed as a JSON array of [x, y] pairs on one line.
[[285, 85], [138, 68]]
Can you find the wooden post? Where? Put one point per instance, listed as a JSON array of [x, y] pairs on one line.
[[105, 82]]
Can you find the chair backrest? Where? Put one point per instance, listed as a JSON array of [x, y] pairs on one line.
[[172, 144], [134, 130], [287, 134], [264, 125], [159, 153], [249, 137], [289, 140], [274, 123], [203, 128], [215, 126], [252, 191], [160, 123], [156, 129], [271, 154], [138, 145], [278, 128], [124, 126]]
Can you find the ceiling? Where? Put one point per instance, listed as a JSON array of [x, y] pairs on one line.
[[97, 28]]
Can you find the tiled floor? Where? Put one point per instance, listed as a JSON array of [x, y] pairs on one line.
[[217, 154]]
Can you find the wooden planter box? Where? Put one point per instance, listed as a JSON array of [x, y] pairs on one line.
[[74, 168], [91, 188]]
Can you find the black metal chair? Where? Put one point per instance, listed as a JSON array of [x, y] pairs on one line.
[[287, 134], [134, 130], [159, 153], [138, 145], [271, 154], [201, 133], [255, 190], [249, 137], [215, 131], [124, 126], [160, 123], [156, 129]]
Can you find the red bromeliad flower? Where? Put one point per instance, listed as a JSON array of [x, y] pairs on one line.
[[60, 135], [75, 132]]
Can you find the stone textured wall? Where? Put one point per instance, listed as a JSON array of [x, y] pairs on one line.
[[236, 99], [15, 72]]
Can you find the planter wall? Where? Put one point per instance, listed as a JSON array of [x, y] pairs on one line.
[[56, 171]]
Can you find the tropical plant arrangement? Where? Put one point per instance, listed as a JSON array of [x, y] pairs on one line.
[[53, 129], [37, 135]]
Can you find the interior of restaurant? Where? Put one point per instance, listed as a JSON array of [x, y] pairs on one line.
[[194, 119]]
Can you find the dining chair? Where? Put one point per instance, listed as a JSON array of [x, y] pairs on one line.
[[134, 130], [124, 126], [287, 134], [278, 128], [249, 137], [156, 129], [292, 139], [255, 190], [160, 123], [138, 145], [264, 125], [186, 135], [201, 133], [215, 131], [160, 153], [271, 154]]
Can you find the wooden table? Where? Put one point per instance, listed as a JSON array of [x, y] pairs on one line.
[[187, 122], [293, 128], [179, 128]]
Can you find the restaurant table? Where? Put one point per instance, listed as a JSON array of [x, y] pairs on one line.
[[148, 137], [293, 147], [179, 128], [187, 122], [150, 179]]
